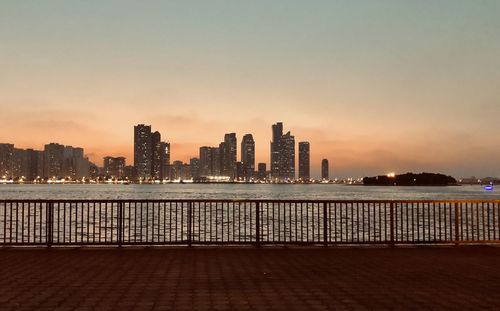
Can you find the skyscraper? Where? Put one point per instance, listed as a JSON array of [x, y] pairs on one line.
[[220, 159], [209, 161], [287, 157], [157, 156], [230, 150], [325, 170], [142, 151], [53, 160], [205, 161], [282, 154], [248, 156], [304, 161], [276, 149], [165, 159]]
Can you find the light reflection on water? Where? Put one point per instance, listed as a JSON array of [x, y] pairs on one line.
[[243, 191]]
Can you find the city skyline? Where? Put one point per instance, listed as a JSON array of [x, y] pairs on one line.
[[375, 87], [152, 161]]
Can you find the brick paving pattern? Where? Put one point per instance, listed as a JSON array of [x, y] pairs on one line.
[[248, 278]]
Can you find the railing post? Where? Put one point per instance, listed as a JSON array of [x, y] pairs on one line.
[[190, 224], [392, 223], [120, 224], [50, 223], [457, 235], [325, 225], [257, 224]]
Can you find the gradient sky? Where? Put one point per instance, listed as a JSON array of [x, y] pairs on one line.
[[374, 85]]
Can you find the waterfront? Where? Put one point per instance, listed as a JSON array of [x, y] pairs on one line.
[[244, 191]]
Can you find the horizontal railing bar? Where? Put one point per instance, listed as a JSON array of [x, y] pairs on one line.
[[238, 201]]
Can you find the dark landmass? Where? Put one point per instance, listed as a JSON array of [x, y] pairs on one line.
[[411, 179]]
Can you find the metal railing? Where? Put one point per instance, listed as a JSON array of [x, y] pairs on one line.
[[255, 222]]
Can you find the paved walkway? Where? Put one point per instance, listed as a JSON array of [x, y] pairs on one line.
[[225, 278]]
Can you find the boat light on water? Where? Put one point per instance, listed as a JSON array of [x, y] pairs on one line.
[[488, 187]]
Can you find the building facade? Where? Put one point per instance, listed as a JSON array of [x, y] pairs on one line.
[[6, 160], [156, 156], [230, 154], [304, 161], [143, 151], [287, 157], [262, 171], [165, 151], [194, 163], [248, 156], [325, 170], [53, 161], [277, 133], [114, 167]]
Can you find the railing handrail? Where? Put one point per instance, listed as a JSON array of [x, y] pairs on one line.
[[243, 201], [247, 221]]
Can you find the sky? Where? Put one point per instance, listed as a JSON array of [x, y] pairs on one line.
[[375, 86]]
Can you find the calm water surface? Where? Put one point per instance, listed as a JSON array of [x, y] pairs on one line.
[[242, 191]]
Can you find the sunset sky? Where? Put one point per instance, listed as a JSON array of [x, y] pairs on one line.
[[374, 85]]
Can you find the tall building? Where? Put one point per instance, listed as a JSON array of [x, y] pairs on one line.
[[6, 160], [74, 163], [221, 159], [53, 161], [230, 150], [304, 161], [157, 155], [34, 164], [114, 167], [165, 151], [287, 157], [262, 171], [194, 163], [205, 161], [282, 154], [19, 164], [209, 161], [143, 151], [325, 170], [276, 149], [248, 156]]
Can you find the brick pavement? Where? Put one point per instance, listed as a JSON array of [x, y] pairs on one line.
[[227, 278]]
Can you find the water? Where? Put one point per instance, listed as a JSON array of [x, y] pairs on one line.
[[244, 191]]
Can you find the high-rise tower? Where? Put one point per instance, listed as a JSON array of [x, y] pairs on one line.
[[248, 156], [287, 157], [304, 161], [143, 151], [275, 149], [325, 170], [230, 150]]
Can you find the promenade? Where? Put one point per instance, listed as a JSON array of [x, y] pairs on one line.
[[249, 278]]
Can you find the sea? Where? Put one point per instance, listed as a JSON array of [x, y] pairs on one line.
[[244, 191]]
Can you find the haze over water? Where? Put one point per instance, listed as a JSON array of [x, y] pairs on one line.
[[244, 191]]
